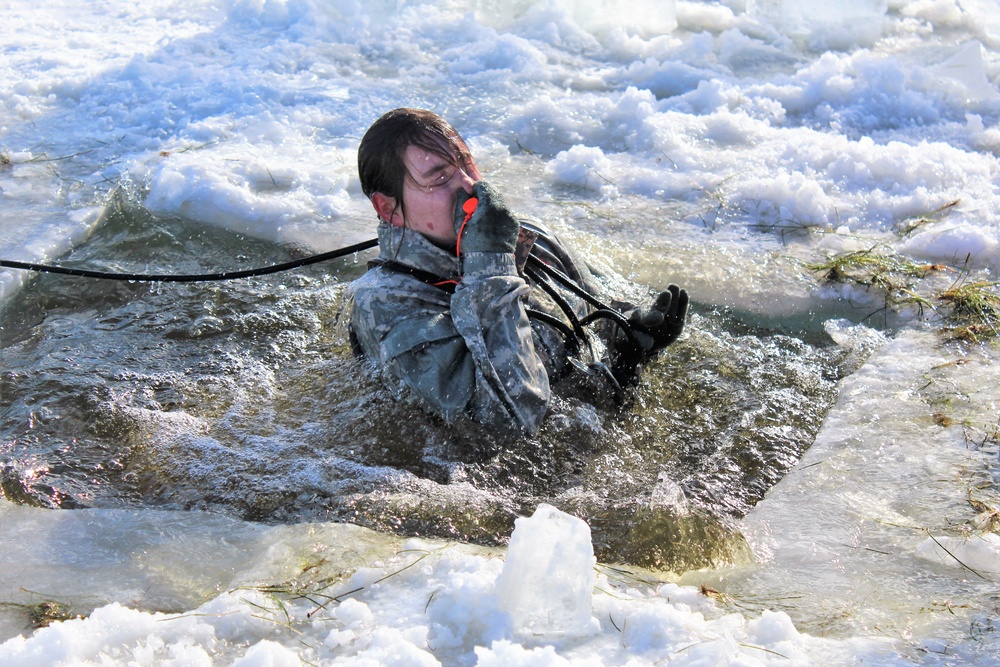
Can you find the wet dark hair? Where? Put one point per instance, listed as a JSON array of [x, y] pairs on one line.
[[380, 155]]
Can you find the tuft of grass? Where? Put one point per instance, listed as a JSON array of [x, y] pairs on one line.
[[879, 268], [987, 517], [711, 216], [787, 227], [975, 309], [874, 267], [909, 225], [972, 307], [316, 591], [45, 612]]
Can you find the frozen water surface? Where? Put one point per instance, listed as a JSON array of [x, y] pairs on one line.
[[204, 474]]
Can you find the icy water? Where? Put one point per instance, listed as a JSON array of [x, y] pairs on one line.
[[245, 398], [814, 462]]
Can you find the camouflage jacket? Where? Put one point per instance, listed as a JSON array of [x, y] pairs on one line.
[[466, 347]]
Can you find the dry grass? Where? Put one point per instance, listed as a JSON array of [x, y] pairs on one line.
[[316, 590], [971, 308], [910, 225], [879, 268], [45, 612], [975, 310]]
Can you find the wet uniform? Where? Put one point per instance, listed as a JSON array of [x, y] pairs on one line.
[[460, 337]]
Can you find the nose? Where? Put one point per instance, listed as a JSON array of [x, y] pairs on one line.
[[466, 182]]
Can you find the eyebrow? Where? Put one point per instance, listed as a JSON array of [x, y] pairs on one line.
[[430, 173]]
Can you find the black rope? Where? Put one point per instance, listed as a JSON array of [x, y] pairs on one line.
[[192, 278], [572, 339], [557, 298], [626, 327], [575, 332], [426, 277], [537, 272], [603, 311], [568, 283]]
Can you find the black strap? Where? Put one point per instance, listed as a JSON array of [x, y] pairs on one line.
[[549, 289], [191, 278], [434, 280]]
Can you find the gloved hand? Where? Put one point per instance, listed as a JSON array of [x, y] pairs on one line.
[[659, 325], [655, 327], [490, 228]]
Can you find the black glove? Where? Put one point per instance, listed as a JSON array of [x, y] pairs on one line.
[[491, 226], [659, 325], [655, 327]]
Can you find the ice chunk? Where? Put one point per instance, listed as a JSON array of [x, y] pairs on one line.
[[967, 68], [645, 18], [547, 581], [858, 340], [267, 653], [793, 13], [828, 24]]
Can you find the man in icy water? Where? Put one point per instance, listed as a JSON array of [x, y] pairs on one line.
[[462, 306]]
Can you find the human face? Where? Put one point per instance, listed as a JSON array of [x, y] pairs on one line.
[[430, 192]]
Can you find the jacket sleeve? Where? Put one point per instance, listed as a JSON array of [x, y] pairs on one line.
[[471, 352]]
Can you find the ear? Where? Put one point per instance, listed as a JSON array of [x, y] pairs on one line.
[[387, 209]]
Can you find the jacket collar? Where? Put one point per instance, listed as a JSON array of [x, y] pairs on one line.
[[413, 249]]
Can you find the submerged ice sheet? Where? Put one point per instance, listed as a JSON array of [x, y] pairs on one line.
[[76, 562], [904, 493]]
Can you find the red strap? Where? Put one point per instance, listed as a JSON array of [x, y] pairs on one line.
[[469, 207]]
